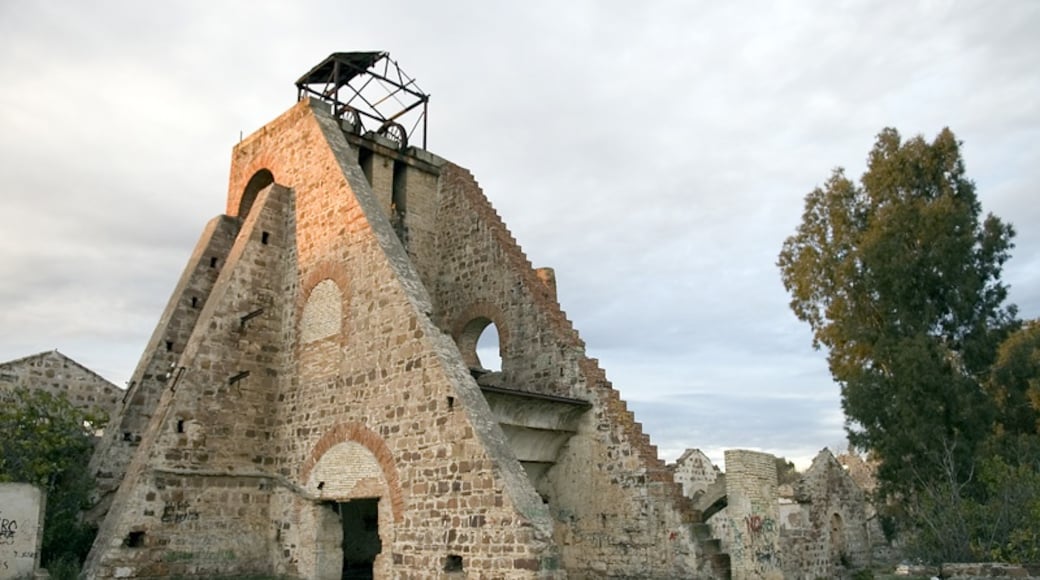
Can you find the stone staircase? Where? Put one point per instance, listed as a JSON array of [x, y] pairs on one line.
[[711, 549]]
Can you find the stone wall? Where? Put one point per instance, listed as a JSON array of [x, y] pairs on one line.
[[750, 530], [59, 375], [616, 510], [230, 476], [829, 528], [157, 366], [822, 526]]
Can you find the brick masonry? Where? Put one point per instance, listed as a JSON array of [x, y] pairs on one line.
[[315, 353]]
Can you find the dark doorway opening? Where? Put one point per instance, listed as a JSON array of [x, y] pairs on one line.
[[361, 544]]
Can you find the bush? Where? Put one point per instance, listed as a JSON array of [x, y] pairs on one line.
[[48, 442]]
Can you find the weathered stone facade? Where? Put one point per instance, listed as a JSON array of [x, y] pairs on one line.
[[828, 526], [306, 403], [59, 375], [823, 526], [749, 525]]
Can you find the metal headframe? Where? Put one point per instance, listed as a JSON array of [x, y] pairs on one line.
[[369, 91]]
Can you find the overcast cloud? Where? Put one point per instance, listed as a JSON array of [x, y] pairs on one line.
[[655, 154]]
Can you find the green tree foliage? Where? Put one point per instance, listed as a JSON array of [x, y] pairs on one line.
[[786, 472], [993, 518], [48, 442], [899, 278], [1014, 383]]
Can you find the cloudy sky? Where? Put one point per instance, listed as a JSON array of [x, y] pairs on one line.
[[655, 154]]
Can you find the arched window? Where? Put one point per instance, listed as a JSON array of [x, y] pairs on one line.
[[480, 344], [489, 350]]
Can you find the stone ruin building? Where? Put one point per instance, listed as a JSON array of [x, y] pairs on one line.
[[822, 526], [59, 375], [311, 403]]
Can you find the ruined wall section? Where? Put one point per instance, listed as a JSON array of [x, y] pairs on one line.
[[195, 500], [829, 534], [388, 380], [154, 369], [61, 376], [484, 273], [750, 532], [616, 508]]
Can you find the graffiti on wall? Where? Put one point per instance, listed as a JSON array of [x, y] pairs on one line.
[[8, 530]]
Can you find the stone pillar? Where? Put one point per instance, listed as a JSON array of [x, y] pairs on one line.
[[21, 529], [754, 514]]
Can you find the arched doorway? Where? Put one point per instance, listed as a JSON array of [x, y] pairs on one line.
[[356, 500]]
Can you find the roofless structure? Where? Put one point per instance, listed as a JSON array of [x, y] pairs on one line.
[[311, 403]]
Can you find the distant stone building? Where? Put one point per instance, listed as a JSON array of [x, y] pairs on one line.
[[695, 473], [59, 375], [311, 403]]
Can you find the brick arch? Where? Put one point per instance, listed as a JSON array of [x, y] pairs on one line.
[[256, 184], [471, 323], [325, 270], [240, 182], [362, 435]]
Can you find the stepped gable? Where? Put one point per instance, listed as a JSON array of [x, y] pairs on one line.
[[322, 412]]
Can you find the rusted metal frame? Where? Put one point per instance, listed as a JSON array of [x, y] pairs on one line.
[[390, 94], [405, 110], [358, 95], [403, 87], [402, 84]]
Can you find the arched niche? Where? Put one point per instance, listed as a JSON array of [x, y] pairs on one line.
[[322, 312]]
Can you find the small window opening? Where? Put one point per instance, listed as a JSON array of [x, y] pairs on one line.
[[451, 403], [265, 237], [135, 539], [213, 262], [180, 425], [453, 563], [128, 436], [169, 345], [365, 161], [399, 200], [194, 302]]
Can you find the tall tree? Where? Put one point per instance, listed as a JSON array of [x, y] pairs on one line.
[[899, 278]]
